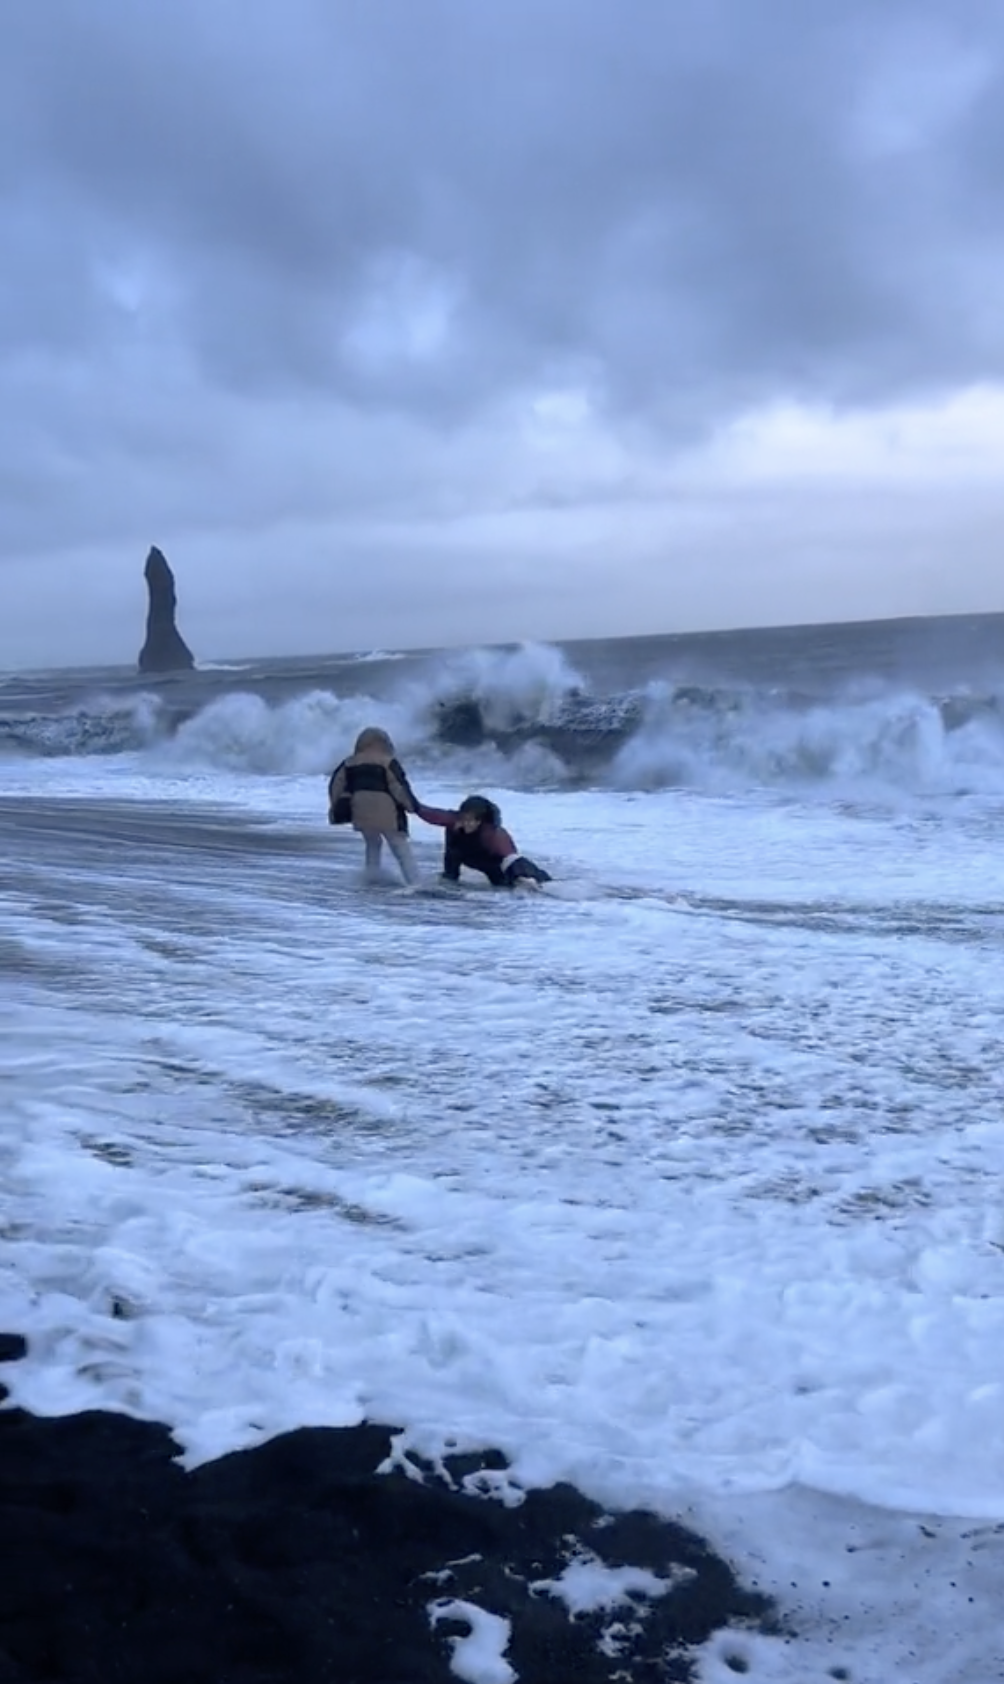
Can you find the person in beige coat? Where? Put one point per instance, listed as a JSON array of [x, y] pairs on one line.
[[370, 791]]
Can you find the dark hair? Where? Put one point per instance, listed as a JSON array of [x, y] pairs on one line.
[[479, 807]]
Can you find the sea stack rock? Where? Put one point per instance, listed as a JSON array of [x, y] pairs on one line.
[[165, 650]]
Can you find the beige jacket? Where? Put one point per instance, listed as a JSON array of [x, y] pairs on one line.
[[376, 784]]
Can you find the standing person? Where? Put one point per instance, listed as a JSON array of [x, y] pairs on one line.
[[370, 791], [477, 839]]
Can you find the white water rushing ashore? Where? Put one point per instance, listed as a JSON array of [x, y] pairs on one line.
[[681, 1183]]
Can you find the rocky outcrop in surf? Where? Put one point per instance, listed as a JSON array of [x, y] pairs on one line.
[[584, 731], [165, 650]]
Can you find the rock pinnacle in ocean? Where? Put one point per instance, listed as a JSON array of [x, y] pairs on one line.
[[165, 650]]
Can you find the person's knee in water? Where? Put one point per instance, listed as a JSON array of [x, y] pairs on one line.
[[370, 790], [476, 838]]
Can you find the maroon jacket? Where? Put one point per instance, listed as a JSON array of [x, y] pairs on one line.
[[489, 849]]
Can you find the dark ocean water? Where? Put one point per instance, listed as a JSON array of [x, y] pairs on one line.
[[801, 702], [955, 652]]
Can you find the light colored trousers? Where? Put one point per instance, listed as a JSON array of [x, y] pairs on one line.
[[400, 847]]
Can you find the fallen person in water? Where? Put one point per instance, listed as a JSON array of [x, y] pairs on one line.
[[475, 838]]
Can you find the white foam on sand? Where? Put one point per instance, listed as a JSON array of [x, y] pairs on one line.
[[686, 1191], [478, 1658], [588, 1586]]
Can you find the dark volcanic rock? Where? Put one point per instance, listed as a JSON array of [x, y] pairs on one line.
[[461, 723], [165, 650], [585, 734], [957, 711], [299, 1563]]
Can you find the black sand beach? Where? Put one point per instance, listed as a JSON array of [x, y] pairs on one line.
[[300, 1563]]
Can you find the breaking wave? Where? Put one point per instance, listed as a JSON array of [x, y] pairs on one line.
[[951, 745], [527, 717], [98, 727]]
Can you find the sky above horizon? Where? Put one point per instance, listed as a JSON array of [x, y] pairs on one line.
[[411, 322]]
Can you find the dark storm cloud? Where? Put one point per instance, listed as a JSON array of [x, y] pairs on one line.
[[281, 279], [686, 206]]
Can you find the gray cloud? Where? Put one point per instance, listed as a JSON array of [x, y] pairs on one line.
[[308, 258], [670, 200]]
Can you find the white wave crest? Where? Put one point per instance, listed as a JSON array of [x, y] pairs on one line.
[[311, 733], [224, 666], [894, 741], [512, 687], [542, 728]]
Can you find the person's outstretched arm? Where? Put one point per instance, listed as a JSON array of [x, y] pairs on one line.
[[444, 817]]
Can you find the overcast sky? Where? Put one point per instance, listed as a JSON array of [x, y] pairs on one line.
[[416, 321]]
